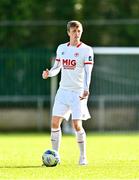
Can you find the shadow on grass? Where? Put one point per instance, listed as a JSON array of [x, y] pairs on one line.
[[2, 167]]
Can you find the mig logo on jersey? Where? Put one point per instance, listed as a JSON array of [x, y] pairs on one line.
[[69, 64]]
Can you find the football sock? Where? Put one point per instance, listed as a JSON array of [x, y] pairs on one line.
[[56, 138], [81, 139]]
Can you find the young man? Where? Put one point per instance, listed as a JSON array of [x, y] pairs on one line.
[[75, 60]]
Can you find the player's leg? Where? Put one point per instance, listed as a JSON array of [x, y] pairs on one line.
[[81, 140], [59, 112], [80, 112], [56, 132]]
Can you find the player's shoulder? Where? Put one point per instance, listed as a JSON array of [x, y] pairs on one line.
[[62, 46], [86, 47]]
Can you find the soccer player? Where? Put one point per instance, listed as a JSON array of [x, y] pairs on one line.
[[75, 60]]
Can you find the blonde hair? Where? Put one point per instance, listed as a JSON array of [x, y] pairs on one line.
[[73, 23]]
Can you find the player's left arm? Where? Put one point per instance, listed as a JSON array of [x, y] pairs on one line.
[[88, 66]]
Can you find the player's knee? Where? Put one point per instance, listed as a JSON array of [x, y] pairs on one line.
[[56, 122], [54, 126], [77, 126]]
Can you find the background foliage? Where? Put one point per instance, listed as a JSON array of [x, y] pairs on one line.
[[42, 23]]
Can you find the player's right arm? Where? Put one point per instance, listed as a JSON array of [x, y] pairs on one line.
[[56, 67], [53, 71]]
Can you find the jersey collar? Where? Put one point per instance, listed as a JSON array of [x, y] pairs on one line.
[[78, 45]]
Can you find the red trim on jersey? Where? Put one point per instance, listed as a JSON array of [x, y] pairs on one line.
[[88, 63], [57, 59], [79, 44], [68, 44]]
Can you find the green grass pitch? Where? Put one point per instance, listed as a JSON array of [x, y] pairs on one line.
[[111, 157]]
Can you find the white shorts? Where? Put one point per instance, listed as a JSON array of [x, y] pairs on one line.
[[68, 102]]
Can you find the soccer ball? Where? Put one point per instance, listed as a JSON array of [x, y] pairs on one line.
[[50, 158]]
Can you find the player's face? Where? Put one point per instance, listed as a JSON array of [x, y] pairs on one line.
[[75, 33]]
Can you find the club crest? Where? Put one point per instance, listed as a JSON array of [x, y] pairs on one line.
[[76, 54]]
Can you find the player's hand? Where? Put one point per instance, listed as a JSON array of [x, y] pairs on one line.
[[84, 95], [45, 74]]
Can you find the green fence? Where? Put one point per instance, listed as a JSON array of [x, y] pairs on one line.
[[21, 70], [116, 74], [114, 90]]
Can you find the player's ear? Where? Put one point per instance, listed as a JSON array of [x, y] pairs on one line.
[[68, 33]]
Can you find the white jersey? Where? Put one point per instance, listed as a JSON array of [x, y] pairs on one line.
[[76, 63]]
